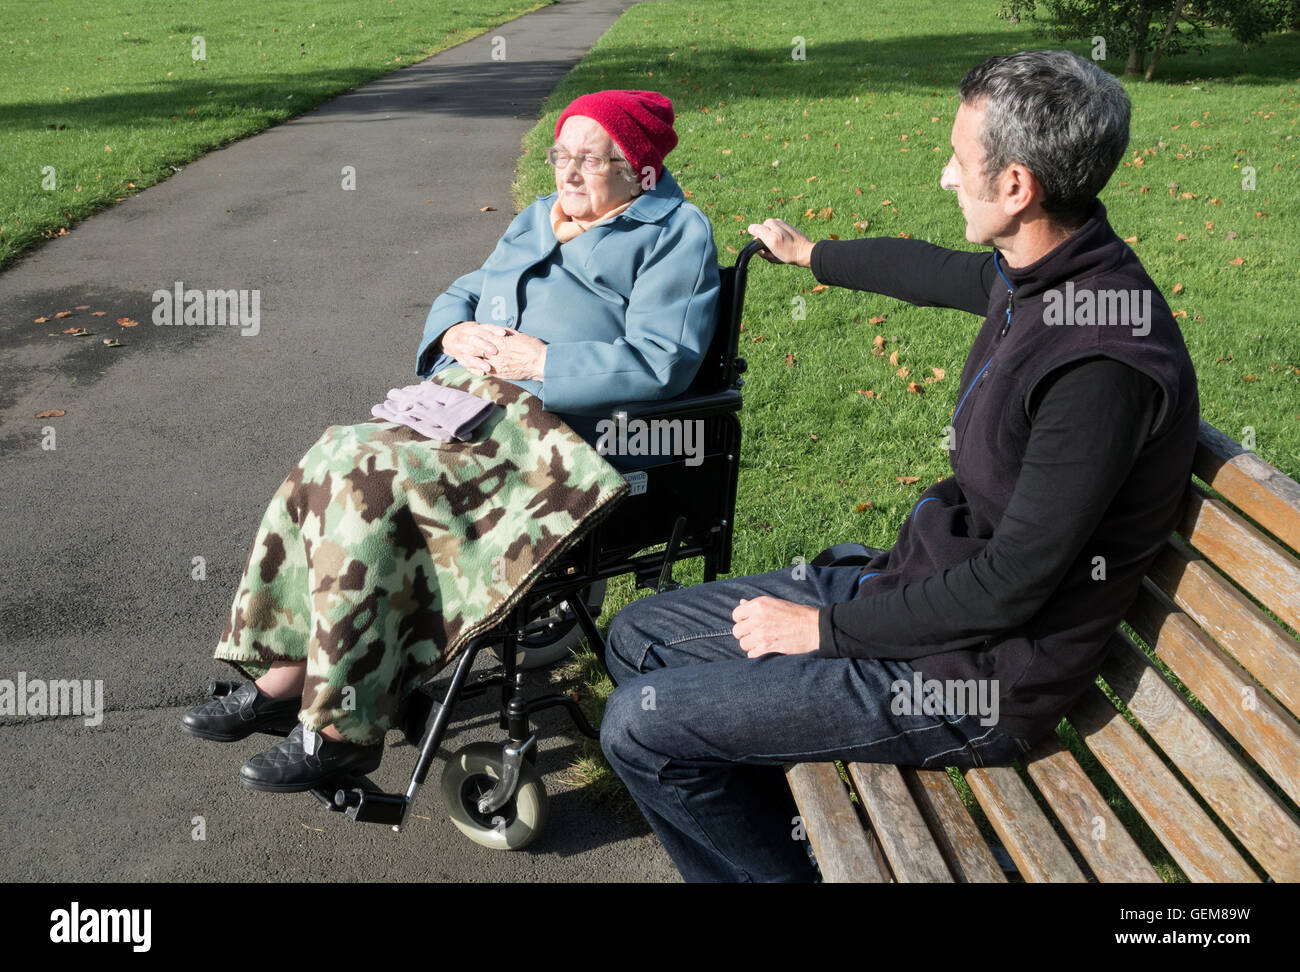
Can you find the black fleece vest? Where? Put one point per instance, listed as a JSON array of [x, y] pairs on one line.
[[1045, 664]]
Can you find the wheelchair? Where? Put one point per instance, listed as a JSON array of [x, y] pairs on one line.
[[491, 790]]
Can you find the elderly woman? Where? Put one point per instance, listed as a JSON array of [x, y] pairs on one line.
[[385, 550]]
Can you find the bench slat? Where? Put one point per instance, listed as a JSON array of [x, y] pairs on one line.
[[1243, 553], [1262, 492], [1187, 832], [832, 824], [1262, 824], [1086, 816], [1250, 635], [898, 824], [1023, 828], [1259, 725], [968, 856]]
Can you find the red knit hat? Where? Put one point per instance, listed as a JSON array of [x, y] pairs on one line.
[[639, 122]]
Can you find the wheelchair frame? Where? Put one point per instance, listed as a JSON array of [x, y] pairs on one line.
[[692, 509]]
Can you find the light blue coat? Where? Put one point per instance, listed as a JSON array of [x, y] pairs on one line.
[[627, 307]]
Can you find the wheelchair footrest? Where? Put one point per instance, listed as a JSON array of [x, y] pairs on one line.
[[363, 803]]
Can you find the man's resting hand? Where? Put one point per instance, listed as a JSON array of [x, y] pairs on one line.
[[769, 624]]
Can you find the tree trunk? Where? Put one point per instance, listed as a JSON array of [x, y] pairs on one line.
[[1138, 27], [1169, 30]]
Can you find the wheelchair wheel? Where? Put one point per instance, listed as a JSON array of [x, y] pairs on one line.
[[552, 636], [472, 772]]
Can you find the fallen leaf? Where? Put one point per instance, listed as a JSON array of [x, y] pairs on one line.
[[939, 374], [915, 389], [98, 313], [903, 372], [1130, 239], [908, 480], [63, 314], [487, 209], [1178, 288], [1250, 378], [1180, 237], [819, 288], [758, 337], [886, 202], [893, 359], [113, 342], [1236, 261], [51, 413], [861, 225], [40, 320], [813, 436], [789, 360], [1228, 358], [867, 392], [1179, 313], [868, 505], [83, 307], [857, 190], [127, 322]]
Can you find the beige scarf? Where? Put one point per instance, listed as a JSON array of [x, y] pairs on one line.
[[566, 227]]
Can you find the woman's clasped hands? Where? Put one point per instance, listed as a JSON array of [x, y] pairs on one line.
[[490, 349]]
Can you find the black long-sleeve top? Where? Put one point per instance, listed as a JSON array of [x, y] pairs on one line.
[[1089, 418]]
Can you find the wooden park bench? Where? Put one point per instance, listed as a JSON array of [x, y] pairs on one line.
[[1218, 788]]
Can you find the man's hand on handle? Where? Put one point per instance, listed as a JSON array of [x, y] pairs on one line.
[[782, 243]]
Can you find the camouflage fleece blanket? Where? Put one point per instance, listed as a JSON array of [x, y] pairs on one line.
[[383, 553]]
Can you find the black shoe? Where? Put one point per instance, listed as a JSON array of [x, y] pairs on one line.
[[243, 712], [288, 768]]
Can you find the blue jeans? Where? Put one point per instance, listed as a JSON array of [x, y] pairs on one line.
[[699, 732]]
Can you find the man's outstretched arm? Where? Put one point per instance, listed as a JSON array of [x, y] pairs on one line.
[[911, 270]]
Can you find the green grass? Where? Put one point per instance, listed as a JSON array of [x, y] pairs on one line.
[[763, 135], [78, 79]]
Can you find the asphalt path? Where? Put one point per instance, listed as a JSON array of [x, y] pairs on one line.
[[173, 443]]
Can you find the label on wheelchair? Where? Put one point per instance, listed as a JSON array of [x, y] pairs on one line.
[[637, 480]]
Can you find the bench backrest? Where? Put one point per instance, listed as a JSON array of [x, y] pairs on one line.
[[1204, 613]]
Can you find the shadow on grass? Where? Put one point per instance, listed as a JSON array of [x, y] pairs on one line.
[[500, 89]]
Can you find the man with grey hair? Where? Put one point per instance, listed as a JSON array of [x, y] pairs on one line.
[[967, 641]]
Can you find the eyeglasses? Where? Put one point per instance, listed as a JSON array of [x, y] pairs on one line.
[[594, 164]]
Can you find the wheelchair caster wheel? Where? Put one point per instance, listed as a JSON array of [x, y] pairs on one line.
[[472, 772]]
